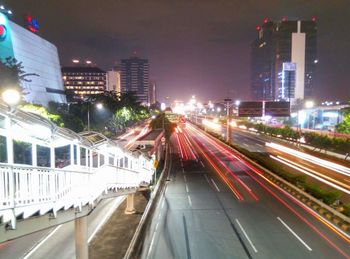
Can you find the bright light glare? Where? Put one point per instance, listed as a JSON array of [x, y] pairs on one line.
[[233, 124], [11, 97], [99, 106], [211, 124], [309, 104], [162, 106]]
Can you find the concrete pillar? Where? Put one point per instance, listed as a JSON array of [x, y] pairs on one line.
[[130, 209], [81, 238]]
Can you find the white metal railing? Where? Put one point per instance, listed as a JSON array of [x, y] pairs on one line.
[[22, 187]]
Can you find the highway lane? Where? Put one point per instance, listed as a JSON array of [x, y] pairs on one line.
[[314, 171], [58, 241], [202, 217], [322, 175]]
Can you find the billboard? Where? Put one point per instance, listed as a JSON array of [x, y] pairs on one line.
[[277, 109], [250, 109]]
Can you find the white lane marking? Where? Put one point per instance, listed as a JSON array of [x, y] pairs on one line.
[[183, 170], [186, 188], [217, 188], [246, 236], [116, 203], [151, 245], [157, 226], [41, 242], [202, 164], [206, 177], [302, 241], [189, 200], [185, 178], [162, 203]]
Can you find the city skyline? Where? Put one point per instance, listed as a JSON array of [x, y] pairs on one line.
[[193, 48]]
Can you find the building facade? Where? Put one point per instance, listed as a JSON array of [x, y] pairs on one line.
[[135, 78], [283, 60], [39, 58], [113, 81], [83, 82], [152, 93]]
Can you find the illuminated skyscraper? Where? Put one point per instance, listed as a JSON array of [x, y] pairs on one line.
[[135, 78], [283, 60]]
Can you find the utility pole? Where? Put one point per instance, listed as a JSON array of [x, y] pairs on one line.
[[228, 126]]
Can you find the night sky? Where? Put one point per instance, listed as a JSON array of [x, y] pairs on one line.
[[194, 47]]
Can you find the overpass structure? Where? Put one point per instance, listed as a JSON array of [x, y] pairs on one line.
[[50, 175]]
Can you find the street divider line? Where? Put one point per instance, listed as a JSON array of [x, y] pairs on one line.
[[189, 200], [217, 188], [186, 188], [246, 236], [36, 247], [299, 238], [115, 205]]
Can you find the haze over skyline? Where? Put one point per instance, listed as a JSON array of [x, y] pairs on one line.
[[194, 47]]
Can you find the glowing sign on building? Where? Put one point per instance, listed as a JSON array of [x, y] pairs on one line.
[[2, 32], [32, 24]]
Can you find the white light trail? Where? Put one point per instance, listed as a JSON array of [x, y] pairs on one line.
[[315, 160]]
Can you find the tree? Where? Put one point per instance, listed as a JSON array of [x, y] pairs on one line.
[[12, 74], [344, 126]]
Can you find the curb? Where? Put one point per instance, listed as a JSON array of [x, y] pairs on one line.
[[136, 243]]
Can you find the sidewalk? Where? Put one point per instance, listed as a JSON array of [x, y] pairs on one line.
[[114, 238]]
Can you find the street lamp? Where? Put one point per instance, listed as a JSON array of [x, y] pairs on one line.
[[98, 106], [11, 97], [309, 104]]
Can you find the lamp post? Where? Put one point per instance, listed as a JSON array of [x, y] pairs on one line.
[[11, 97], [228, 128], [98, 106]]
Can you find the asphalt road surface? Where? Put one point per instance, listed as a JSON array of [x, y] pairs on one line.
[[218, 206]]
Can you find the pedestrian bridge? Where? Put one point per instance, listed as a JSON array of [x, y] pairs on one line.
[[50, 175]]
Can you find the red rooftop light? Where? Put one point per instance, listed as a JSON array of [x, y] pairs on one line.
[[284, 19], [313, 19], [266, 20], [258, 28]]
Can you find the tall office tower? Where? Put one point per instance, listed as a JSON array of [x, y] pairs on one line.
[[283, 60], [135, 78], [152, 92]]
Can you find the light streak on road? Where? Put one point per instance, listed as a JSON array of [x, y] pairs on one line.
[[315, 160], [143, 132], [211, 124], [127, 134], [220, 173], [228, 169], [312, 173], [179, 147], [229, 154]]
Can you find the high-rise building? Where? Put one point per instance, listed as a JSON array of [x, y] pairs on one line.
[[113, 80], [283, 60], [81, 82], [38, 57], [152, 93], [135, 78]]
